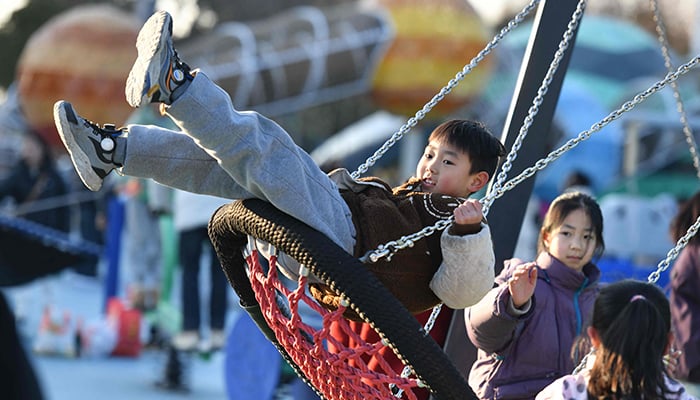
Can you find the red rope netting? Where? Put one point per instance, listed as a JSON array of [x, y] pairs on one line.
[[332, 356]]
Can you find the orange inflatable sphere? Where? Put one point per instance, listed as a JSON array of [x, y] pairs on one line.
[[433, 41], [83, 56]]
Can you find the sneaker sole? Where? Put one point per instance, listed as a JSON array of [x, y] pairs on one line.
[[80, 160], [152, 43]]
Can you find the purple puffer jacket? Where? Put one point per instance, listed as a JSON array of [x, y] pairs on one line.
[[518, 356], [685, 312]]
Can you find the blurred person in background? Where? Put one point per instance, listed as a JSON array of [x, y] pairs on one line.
[[35, 177], [685, 296], [191, 215], [31, 194], [142, 254], [31, 179]]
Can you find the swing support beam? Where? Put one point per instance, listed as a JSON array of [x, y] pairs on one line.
[[507, 213]]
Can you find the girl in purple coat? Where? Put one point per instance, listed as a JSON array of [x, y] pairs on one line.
[[525, 327], [685, 296]]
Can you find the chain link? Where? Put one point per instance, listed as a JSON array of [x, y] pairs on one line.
[[420, 114], [571, 143], [391, 248], [501, 186], [388, 249], [663, 40], [683, 241], [537, 101], [534, 109], [654, 276], [673, 253]]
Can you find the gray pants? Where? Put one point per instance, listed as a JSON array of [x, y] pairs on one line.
[[237, 155]]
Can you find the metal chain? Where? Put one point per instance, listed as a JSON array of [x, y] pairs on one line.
[[388, 249], [571, 143], [663, 40], [673, 253], [537, 101], [414, 121], [534, 109], [654, 276], [420, 114], [683, 241]]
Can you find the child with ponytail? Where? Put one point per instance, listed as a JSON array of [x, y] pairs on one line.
[[630, 332]]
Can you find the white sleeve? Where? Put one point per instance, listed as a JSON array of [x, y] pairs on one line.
[[467, 271], [569, 387]]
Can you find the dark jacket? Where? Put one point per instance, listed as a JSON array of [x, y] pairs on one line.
[[520, 355], [685, 312], [24, 257], [17, 376], [26, 186]]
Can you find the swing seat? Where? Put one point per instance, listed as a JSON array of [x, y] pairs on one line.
[[343, 372], [407, 277]]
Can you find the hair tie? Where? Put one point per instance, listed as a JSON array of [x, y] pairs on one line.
[[637, 297]]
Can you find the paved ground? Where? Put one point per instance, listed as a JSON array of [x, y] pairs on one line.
[[104, 378], [120, 378]]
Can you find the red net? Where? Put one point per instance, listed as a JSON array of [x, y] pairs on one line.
[[335, 359]]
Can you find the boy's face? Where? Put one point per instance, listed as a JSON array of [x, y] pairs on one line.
[[444, 169]]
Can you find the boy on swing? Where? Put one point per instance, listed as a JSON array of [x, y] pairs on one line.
[[239, 155]]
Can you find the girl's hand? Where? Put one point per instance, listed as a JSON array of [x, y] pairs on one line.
[[522, 284], [671, 360]]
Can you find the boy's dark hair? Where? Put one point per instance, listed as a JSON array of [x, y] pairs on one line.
[[686, 216], [474, 139], [564, 205], [633, 321]]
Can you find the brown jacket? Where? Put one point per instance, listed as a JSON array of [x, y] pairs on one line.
[[381, 214]]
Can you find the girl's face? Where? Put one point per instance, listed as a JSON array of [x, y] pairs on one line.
[[444, 169], [574, 241]]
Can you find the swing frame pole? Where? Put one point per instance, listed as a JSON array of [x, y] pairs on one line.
[[507, 213]]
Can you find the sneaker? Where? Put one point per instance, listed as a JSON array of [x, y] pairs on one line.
[[91, 148], [186, 341], [218, 339], [157, 71], [204, 347]]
